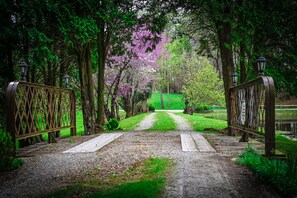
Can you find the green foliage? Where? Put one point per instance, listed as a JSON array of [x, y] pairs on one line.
[[151, 108], [112, 124], [7, 161], [79, 31], [163, 122], [203, 87], [176, 101], [130, 123], [203, 107], [282, 174]]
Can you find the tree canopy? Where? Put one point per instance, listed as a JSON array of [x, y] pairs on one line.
[[92, 39]]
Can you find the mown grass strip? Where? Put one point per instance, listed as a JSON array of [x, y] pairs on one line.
[[145, 179], [200, 123], [130, 123], [163, 122]]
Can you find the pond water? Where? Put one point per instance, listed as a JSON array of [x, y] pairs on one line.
[[289, 126], [286, 120]]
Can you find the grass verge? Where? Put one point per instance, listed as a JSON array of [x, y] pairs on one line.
[[201, 123], [163, 122], [282, 174], [145, 179], [176, 101], [130, 123], [285, 145]]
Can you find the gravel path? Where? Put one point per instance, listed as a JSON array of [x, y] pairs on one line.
[[195, 174], [146, 123], [182, 123]]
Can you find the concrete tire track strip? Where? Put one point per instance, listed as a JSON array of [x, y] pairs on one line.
[[193, 141]]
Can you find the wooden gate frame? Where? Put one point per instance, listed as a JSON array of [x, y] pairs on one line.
[[39, 111], [268, 107]]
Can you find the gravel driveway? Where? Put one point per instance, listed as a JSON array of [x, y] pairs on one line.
[[196, 174]]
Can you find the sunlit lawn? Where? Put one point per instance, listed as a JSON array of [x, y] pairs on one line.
[[176, 101]]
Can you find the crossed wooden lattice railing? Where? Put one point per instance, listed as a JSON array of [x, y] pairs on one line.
[[34, 109], [253, 110]]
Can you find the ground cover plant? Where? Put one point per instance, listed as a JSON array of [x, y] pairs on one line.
[[112, 124], [203, 124], [163, 122], [145, 179], [282, 174], [176, 101], [7, 160]]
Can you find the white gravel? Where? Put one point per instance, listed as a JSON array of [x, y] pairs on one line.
[[146, 123]]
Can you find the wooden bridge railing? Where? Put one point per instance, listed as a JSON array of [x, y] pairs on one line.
[[253, 110], [34, 109]]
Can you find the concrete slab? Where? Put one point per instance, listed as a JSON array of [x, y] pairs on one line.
[[202, 144], [94, 144], [187, 142]]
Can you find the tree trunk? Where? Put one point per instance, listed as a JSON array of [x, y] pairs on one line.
[[101, 70], [168, 95], [115, 93], [161, 98], [242, 64], [87, 90], [127, 106], [118, 112], [225, 45]]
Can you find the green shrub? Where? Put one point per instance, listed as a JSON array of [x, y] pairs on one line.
[[112, 124], [282, 174], [7, 161], [151, 108], [203, 108]]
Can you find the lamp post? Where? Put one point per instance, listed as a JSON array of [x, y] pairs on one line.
[[66, 80], [234, 78], [261, 63], [24, 69]]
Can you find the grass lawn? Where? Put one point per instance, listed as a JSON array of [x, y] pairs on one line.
[[200, 123], [216, 114], [130, 123], [145, 179], [285, 145], [176, 101], [163, 122]]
